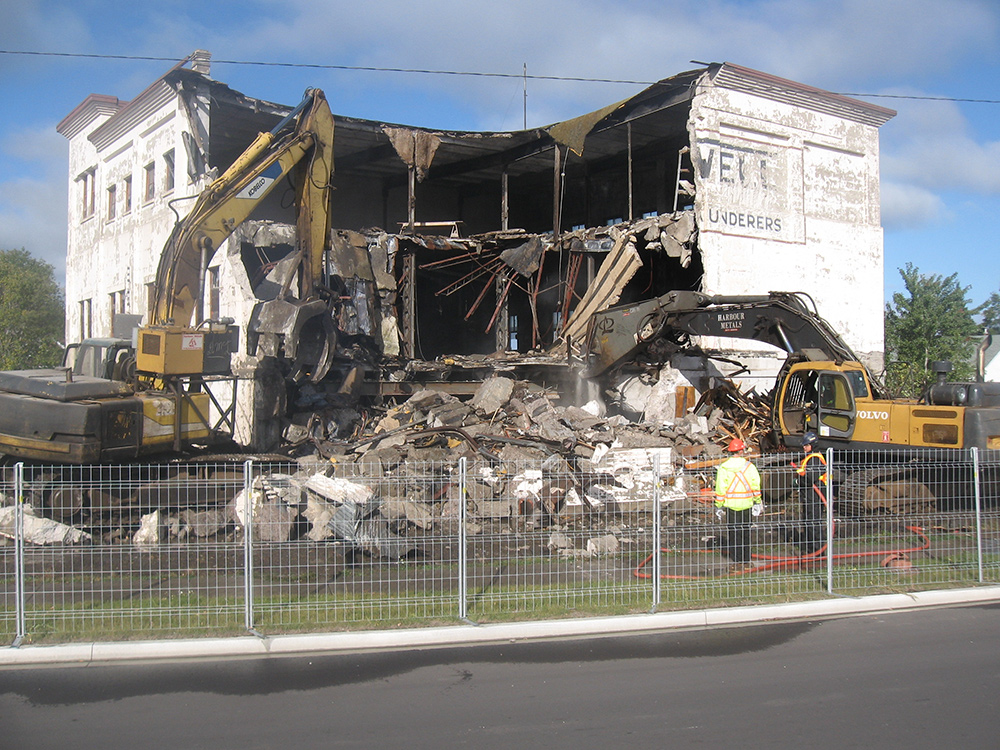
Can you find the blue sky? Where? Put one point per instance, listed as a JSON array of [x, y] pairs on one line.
[[940, 162]]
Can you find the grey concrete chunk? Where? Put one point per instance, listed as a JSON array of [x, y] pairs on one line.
[[274, 522], [492, 395], [38, 530], [338, 490], [603, 545]]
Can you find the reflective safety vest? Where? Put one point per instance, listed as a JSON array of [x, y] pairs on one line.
[[737, 484], [802, 467]]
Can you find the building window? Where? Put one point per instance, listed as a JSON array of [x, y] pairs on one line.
[[88, 193], [150, 187], [116, 303], [168, 171], [127, 183], [86, 324], [214, 311], [112, 196]]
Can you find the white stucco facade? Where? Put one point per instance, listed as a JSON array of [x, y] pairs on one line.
[[788, 200], [134, 168]]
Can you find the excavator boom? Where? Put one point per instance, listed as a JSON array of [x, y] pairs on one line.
[[782, 319], [233, 197]]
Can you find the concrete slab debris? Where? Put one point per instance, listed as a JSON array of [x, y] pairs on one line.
[[150, 532], [38, 530]]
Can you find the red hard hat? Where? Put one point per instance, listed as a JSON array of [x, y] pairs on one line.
[[736, 445]]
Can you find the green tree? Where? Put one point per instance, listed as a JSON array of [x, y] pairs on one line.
[[931, 321], [991, 313], [31, 312]]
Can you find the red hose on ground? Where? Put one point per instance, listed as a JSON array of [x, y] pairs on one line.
[[775, 563]]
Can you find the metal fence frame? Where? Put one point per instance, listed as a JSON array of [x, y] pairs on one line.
[[648, 559]]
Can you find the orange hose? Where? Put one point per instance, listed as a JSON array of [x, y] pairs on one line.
[[794, 561]]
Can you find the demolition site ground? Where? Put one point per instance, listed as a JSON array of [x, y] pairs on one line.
[[504, 507]]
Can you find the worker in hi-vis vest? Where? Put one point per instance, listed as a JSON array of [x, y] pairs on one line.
[[738, 501], [813, 486]]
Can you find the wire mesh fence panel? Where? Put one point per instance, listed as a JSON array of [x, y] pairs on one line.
[[125, 551], [362, 543], [547, 541], [903, 523], [699, 567], [988, 466], [118, 552], [9, 589]]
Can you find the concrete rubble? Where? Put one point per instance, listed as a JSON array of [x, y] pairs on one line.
[[391, 483], [38, 530]]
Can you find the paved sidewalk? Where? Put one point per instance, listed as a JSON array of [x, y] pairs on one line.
[[83, 654]]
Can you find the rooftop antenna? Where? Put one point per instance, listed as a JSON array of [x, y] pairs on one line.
[[526, 96]]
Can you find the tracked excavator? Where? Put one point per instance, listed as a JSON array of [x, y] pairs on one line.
[[894, 445], [822, 386], [158, 392]]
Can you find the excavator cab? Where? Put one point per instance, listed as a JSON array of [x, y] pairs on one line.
[[98, 357], [821, 397]]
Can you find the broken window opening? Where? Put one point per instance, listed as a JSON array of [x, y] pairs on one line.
[[455, 303], [112, 202], [88, 193], [168, 171]]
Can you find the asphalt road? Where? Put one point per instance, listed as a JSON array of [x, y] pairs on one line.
[[924, 678]]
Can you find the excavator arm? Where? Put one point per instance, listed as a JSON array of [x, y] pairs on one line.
[[782, 319], [300, 146], [232, 198]]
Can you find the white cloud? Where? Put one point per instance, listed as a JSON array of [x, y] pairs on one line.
[[836, 44], [907, 206], [33, 216], [33, 203], [931, 145]]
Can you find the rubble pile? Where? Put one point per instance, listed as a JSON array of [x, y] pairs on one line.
[[531, 463], [742, 415]]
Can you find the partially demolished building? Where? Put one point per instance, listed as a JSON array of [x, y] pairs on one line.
[[458, 254]]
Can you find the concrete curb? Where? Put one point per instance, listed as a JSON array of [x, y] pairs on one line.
[[82, 654]]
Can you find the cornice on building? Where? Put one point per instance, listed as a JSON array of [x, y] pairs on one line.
[[93, 107], [737, 78]]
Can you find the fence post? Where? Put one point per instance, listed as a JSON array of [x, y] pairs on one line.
[[463, 560], [829, 521], [656, 532], [979, 511], [248, 618], [21, 630]]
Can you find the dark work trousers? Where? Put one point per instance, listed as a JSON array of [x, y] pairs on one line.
[[738, 534], [813, 535]]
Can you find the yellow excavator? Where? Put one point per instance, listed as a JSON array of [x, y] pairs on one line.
[[303, 142], [161, 397], [887, 447], [822, 386]]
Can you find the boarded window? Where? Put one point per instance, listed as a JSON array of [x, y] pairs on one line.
[[150, 188]]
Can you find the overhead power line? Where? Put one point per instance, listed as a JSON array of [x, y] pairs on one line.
[[424, 71]]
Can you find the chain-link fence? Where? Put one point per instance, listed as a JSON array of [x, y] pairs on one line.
[[125, 552]]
